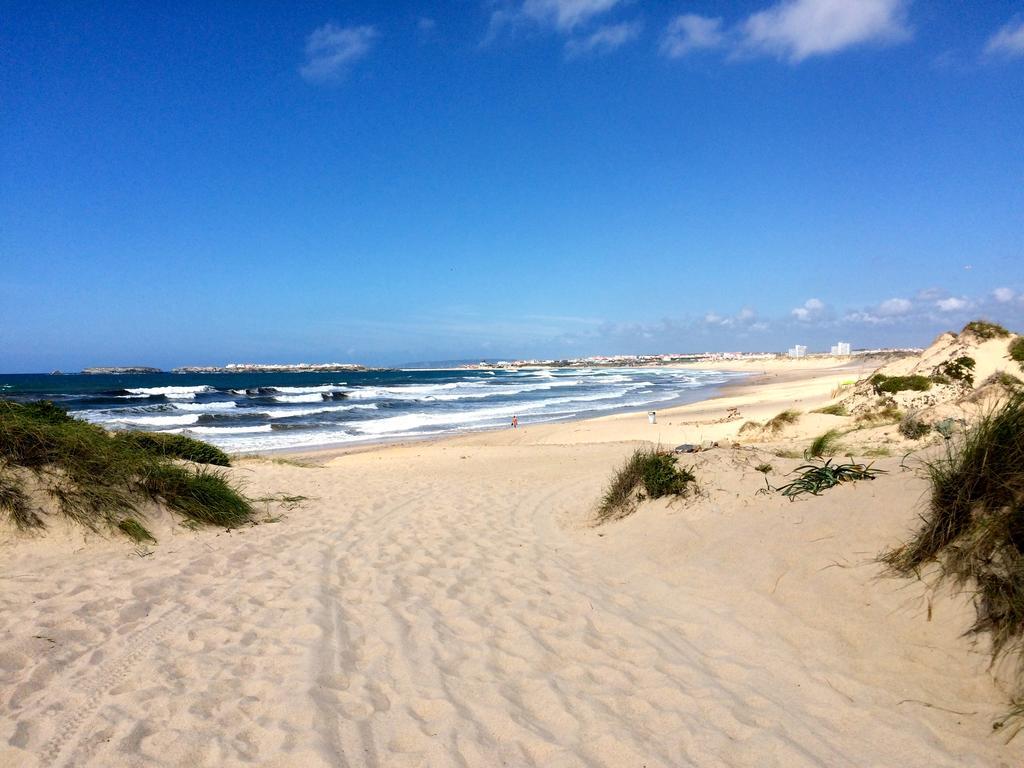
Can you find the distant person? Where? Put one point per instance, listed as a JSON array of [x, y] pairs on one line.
[[515, 422]]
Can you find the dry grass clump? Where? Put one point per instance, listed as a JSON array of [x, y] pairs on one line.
[[750, 426], [782, 420], [974, 525], [99, 479], [912, 428], [882, 413], [653, 470]]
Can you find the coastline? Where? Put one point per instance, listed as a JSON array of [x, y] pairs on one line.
[[451, 601]]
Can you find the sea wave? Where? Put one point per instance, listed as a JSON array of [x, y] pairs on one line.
[[186, 393]]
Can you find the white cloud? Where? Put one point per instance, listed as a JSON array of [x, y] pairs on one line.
[[797, 29], [562, 15], [1003, 295], [604, 39], [893, 307], [330, 49], [690, 32], [811, 309], [951, 304], [1008, 42]]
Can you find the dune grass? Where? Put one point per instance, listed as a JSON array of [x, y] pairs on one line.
[[836, 409], [654, 471], [177, 447], [780, 421], [824, 445], [99, 479], [985, 330], [973, 528], [882, 413], [763, 468], [1016, 350]]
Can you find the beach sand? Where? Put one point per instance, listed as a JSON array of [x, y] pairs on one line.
[[452, 604]]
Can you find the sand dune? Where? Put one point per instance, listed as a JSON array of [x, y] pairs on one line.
[[450, 604]]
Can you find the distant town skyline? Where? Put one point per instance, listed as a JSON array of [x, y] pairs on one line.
[[397, 182]]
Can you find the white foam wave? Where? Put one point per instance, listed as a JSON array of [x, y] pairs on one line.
[[312, 398], [226, 430], [153, 421], [206, 407], [285, 413], [309, 390], [184, 393]]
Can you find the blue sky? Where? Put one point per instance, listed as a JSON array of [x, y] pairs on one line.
[[390, 181]]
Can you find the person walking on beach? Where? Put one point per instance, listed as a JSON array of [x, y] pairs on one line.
[[515, 422]]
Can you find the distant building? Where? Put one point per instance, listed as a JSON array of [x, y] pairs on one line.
[[842, 348], [798, 350]]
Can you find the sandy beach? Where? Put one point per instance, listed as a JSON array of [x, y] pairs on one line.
[[451, 603]]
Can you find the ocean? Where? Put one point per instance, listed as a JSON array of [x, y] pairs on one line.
[[245, 412]]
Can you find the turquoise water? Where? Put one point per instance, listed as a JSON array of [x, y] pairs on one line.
[[255, 412]]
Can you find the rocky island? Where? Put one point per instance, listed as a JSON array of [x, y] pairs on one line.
[[121, 369]]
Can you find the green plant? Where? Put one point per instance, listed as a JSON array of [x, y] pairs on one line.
[[764, 468], [836, 409], [781, 420], [894, 384], [961, 369], [913, 428], [177, 447], [815, 478], [15, 503], [135, 531], [750, 426], [882, 413], [973, 527], [653, 470], [985, 330], [97, 479], [1016, 350], [203, 495], [823, 445]]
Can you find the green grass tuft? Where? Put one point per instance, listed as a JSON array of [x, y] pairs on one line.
[[985, 330], [176, 447], [1016, 350], [654, 471], [973, 527], [135, 531], [15, 503], [781, 420], [203, 495], [824, 445], [98, 479], [837, 409]]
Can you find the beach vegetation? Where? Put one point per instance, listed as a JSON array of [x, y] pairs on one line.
[[912, 428], [648, 472], [985, 330], [1016, 350], [973, 526], [824, 445], [884, 412], [815, 478], [764, 468], [836, 409], [750, 426], [176, 447], [136, 531], [782, 420], [99, 479], [960, 369], [893, 384]]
